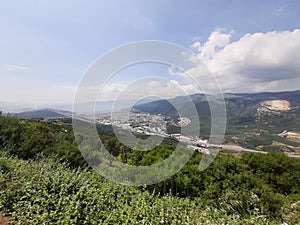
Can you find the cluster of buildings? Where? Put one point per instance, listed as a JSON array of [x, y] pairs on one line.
[[141, 123], [148, 124]]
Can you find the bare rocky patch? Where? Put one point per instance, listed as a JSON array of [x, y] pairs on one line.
[[275, 105]]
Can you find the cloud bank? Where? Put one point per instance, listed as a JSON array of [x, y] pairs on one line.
[[256, 62], [158, 87]]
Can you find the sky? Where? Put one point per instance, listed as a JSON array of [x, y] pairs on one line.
[[46, 47]]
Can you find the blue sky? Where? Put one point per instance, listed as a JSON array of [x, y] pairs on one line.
[[46, 46]]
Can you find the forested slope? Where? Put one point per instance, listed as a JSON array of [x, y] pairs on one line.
[[44, 180]]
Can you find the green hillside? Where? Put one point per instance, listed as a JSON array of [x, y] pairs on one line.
[[38, 114], [44, 180], [245, 125]]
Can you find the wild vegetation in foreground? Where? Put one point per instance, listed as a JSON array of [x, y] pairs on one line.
[[48, 192], [43, 180]]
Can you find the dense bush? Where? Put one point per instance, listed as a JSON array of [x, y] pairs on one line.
[[48, 192], [41, 183], [30, 139]]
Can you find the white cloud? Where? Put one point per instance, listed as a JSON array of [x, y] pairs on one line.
[[209, 49], [255, 62], [13, 68], [159, 87], [61, 94]]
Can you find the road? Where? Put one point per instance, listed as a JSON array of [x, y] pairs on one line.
[[241, 149]]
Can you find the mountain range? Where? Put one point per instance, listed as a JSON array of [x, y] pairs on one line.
[[254, 120]]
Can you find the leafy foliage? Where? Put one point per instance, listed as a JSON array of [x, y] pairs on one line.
[[43, 181], [48, 192], [29, 139]]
